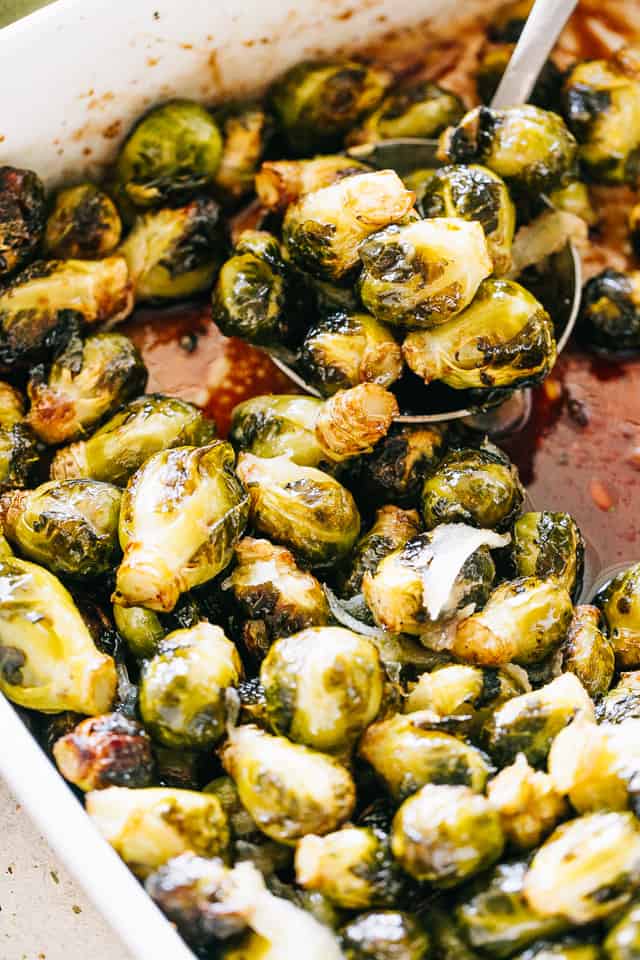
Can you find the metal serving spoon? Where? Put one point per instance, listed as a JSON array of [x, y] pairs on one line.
[[544, 24]]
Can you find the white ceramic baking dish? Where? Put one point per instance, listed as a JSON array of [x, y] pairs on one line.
[[79, 72]]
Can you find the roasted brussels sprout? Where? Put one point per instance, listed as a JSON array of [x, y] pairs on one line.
[[462, 696], [48, 660], [494, 916], [494, 62], [171, 153], [271, 426], [587, 869], [351, 422], [588, 652], [432, 578], [345, 348], [385, 935], [504, 339], [574, 198], [396, 470], [316, 103], [420, 109], [147, 827], [274, 596], [442, 835], [84, 223], [323, 687], [246, 129], [19, 455], [69, 526], [323, 230], [529, 723], [143, 427], [602, 108], [280, 182], [183, 687], [620, 603], [352, 867], [528, 802], [523, 622], [88, 381], [610, 312], [549, 546], [182, 514], [300, 507], [140, 629], [248, 300], [105, 751], [175, 252], [423, 273], [43, 305], [622, 702], [622, 941], [478, 487], [288, 789], [529, 147], [22, 217], [406, 753], [473, 193], [391, 529]]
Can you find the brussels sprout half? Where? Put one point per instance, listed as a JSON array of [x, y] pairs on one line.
[[528, 802], [620, 602], [246, 129], [273, 426], [391, 529], [105, 751], [22, 217], [588, 652], [549, 546], [280, 182], [420, 109], [84, 223]]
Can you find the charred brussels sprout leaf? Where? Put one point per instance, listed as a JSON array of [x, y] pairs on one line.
[[504, 339], [528, 803], [316, 103], [249, 299], [48, 660], [391, 529], [351, 422], [478, 487], [323, 687], [280, 182], [587, 869], [44, 304], [345, 348], [352, 867], [588, 652], [278, 425], [431, 578], [19, 456], [529, 723], [423, 273], [610, 312], [183, 688], [247, 130], [139, 628], [22, 217], [492, 65], [406, 754], [623, 940], [602, 107], [84, 223], [88, 381], [274, 596], [417, 110], [442, 835], [147, 827], [396, 470], [385, 935], [473, 193], [323, 230], [494, 916], [549, 546], [620, 602], [175, 252], [300, 507], [173, 152], [528, 147], [69, 526], [288, 789], [105, 751], [143, 427], [622, 702], [182, 514]]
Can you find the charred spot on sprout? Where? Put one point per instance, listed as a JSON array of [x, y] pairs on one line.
[[83, 223]]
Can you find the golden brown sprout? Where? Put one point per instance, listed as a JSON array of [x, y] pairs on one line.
[[528, 803], [391, 529], [353, 421], [84, 223], [279, 183], [588, 652], [105, 751]]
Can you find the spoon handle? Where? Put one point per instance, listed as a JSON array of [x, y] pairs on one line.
[[543, 26]]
